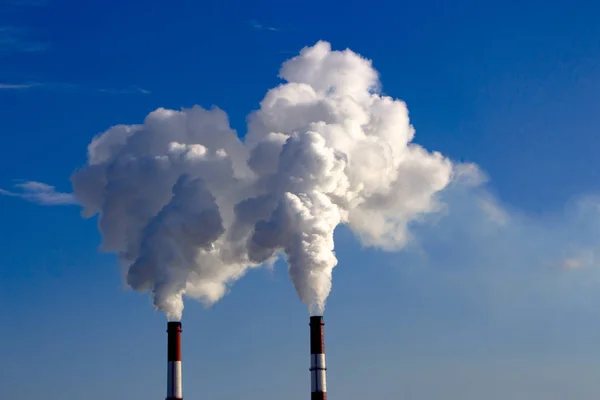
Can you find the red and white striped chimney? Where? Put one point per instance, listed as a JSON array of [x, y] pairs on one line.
[[317, 359], [174, 361]]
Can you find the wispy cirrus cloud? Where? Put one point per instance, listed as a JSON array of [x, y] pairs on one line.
[[20, 39], [40, 193], [132, 90], [260, 27], [17, 86], [25, 3], [63, 86], [16, 34]]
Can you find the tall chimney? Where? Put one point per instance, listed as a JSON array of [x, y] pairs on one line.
[[317, 359], [174, 361]]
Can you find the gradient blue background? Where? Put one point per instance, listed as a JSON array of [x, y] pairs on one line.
[[513, 86]]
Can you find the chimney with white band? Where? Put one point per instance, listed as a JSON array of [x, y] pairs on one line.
[[174, 361], [317, 359]]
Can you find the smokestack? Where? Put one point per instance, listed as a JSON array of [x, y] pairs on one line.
[[317, 359], [174, 361]]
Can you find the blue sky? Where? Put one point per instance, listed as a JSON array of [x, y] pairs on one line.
[[513, 87]]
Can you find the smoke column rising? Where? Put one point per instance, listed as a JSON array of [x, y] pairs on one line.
[[189, 207]]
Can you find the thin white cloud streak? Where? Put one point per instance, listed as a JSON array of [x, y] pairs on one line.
[[27, 3], [40, 193], [19, 39], [16, 86], [133, 90], [22, 38], [260, 27], [72, 87]]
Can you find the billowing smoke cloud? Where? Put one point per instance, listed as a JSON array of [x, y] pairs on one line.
[[189, 207]]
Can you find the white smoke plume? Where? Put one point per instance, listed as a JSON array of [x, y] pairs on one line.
[[189, 207]]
